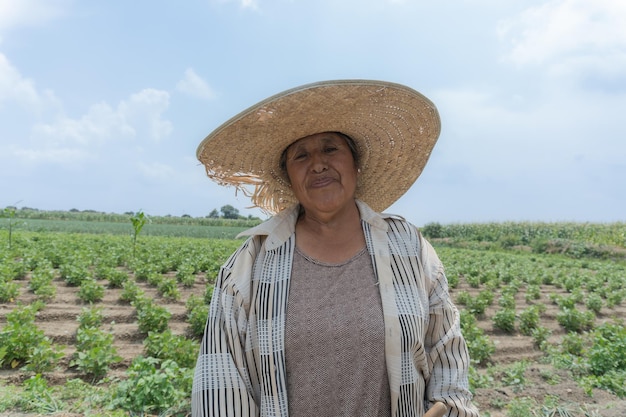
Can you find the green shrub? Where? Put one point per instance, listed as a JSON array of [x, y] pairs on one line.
[[197, 314], [9, 291], [594, 302], [575, 320], [94, 351], [74, 273], [131, 292], [24, 344], [90, 291], [116, 278], [167, 346], [151, 317], [480, 347], [540, 336], [168, 288], [186, 274], [91, 317], [505, 320], [529, 320], [608, 350], [154, 387]]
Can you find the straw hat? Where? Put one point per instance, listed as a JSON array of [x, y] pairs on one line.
[[393, 126]]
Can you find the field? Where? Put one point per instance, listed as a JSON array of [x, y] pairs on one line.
[[91, 325]]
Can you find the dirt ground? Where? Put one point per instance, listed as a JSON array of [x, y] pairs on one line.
[[59, 321]]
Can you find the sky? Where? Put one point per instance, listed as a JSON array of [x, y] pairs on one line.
[[103, 104]]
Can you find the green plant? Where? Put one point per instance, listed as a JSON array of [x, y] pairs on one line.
[[9, 291], [116, 278], [185, 274], [37, 397], [91, 317], [608, 349], [197, 314], [9, 213], [138, 220], [505, 320], [507, 301], [94, 351], [177, 348], [168, 288], [41, 276], [131, 292], [90, 291], [74, 273], [480, 347], [533, 292], [521, 407], [540, 336], [514, 375], [573, 344], [154, 387], [575, 320], [529, 320], [24, 344], [151, 317]]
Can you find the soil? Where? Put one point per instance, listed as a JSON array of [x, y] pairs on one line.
[[59, 322]]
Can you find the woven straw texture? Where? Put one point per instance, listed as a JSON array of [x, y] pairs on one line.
[[394, 127]]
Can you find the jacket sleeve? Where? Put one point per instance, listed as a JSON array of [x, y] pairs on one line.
[[448, 356], [221, 383]]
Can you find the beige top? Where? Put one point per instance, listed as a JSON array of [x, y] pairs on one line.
[[335, 340]]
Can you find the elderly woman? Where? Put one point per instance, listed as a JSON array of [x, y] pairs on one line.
[[330, 308]]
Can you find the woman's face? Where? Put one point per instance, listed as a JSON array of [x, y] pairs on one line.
[[322, 172]]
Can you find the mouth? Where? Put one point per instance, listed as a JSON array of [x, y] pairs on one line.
[[322, 182]]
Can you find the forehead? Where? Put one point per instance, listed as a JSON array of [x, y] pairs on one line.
[[318, 138]]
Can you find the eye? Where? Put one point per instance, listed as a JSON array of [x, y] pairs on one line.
[[330, 149]]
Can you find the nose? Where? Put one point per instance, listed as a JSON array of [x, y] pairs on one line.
[[319, 162]]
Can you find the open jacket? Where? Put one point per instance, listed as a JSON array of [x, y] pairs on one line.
[[241, 366]]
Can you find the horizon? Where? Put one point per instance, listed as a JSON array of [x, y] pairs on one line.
[[102, 105]]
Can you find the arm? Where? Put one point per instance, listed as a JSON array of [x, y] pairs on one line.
[[221, 384], [447, 351]]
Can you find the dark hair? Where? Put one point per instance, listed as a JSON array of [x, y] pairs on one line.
[[349, 141]]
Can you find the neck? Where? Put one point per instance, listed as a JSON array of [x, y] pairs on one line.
[[330, 238]]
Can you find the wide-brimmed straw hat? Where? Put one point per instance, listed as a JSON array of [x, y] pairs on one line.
[[393, 126]]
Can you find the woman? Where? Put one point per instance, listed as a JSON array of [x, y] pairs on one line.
[[329, 307]]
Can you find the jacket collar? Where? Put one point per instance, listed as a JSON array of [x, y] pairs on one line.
[[280, 227]]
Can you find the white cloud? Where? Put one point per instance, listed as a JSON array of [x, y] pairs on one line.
[[61, 156], [16, 13], [569, 36], [195, 86], [138, 117], [16, 88], [156, 170], [244, 4]]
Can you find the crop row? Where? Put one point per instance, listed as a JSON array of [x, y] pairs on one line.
[[500, 294]]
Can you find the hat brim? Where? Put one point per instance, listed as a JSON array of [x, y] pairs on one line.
[[394, 127]]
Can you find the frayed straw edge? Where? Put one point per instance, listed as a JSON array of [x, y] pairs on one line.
[[264, 195]]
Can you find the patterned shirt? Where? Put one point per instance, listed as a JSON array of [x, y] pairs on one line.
[[241, 366]]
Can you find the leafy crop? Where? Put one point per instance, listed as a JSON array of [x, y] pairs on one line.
[[149, 389], [24, 344]]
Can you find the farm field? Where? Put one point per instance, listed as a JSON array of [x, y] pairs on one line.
[[90, 325]]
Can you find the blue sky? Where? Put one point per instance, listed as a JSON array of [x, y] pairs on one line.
[[102, 104]]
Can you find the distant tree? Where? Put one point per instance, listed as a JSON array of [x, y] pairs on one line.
[[214, 214], [229, 212], [185, 215], [73, 210]]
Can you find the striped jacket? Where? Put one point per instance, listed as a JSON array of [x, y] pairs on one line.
[[240, 370]]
